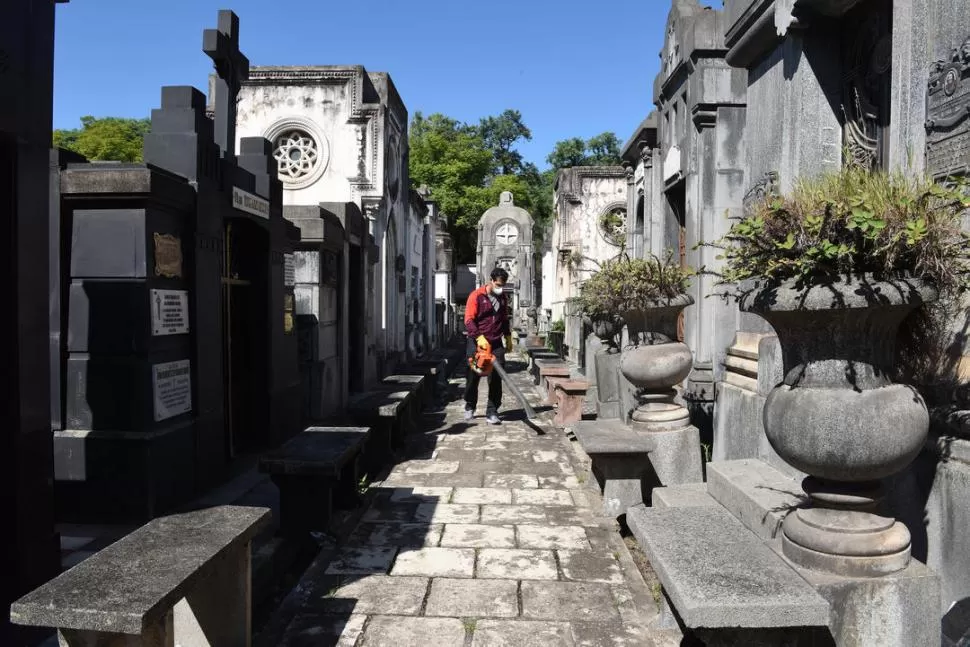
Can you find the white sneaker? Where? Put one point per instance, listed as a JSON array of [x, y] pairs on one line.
[[493, 419], [469, 414]]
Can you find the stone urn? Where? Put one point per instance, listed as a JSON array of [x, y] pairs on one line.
[[838, 417], [655, 362], [606, 329]]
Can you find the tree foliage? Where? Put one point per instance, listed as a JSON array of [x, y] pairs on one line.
[[467, 167], [500, 134], [106, 139], [601, 150]]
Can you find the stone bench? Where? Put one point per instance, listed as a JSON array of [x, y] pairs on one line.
[[386, 412], [543, 354], [725, 584], [182, 580], [436, 369], [314, 471], [570, 396], [418, 385], [544, 369], [620, 463], [551, 382]]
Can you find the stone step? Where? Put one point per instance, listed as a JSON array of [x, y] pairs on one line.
[[719, 575], [682, 496], [756, 493]]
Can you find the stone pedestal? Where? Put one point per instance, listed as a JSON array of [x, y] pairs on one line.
[[607, 372]]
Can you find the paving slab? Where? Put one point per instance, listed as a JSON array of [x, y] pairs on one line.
[[376, 594], [482, 495], [474, 598], [394, 631], [516, 481], [542, 497], [589, 566], [402, 535], [435, 562], [362, 560], [462, 535], [569, 601], [563, 537], [512, 633], [499, 563], [447, 513]]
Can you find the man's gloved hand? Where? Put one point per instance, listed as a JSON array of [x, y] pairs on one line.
[[483, 343], [508, 344]]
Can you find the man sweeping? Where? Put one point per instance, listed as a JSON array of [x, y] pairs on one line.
[[487, 324]]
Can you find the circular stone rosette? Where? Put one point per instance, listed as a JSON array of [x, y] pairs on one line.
[[300, 149]]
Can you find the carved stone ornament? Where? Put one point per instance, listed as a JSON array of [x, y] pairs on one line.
[[766, 186], [612, 223], [168, 256], [948, 115], [507, 234]]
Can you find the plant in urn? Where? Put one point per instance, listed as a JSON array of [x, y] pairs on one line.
[[649, 295], [835, 268]]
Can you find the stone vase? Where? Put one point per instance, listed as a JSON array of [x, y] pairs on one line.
[[838, 417], [606, 330], [654, 362]]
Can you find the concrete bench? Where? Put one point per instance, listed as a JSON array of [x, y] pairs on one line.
[[314, 471], [724, 583], [620, 463], [544, 354], [544, 369], [418, 385], [386, 412], [183, 580], [570, 396], [551, 382]]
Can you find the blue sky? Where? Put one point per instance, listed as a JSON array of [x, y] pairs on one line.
[[574, 68]]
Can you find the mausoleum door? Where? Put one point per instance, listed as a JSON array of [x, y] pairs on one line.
[[867, 56], [676, 234], [246, 312], [356, 317]]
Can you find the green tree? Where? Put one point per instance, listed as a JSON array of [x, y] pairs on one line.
[[601, 150], [500, 134], [604, 150], [108, 139], [568, 153], [451, 158]]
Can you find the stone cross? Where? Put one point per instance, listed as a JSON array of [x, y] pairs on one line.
[[507, 234], [232, 67]]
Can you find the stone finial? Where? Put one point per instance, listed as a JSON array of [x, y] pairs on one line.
[[506, 199]]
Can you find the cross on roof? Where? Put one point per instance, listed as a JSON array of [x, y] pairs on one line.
[[232, 67]]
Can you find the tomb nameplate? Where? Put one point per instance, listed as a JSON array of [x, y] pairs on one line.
[[172, 389], [170, 312], [289, 270], [948, 116], [168, 256], [253, 204], [288, 310]]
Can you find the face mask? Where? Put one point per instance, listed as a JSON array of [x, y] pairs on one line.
[[497, 291]]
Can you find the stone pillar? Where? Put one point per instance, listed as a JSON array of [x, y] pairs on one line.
[[28, 548]]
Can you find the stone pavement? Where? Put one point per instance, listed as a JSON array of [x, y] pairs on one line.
[[483, 536]]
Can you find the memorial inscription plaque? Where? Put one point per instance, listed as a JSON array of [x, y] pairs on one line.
[[948, 115], [170, 312], [172, 388], [168, 256]]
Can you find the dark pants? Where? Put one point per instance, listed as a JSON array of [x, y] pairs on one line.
[[494, 381]]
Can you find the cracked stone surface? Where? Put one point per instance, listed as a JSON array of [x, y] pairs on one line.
[[479, 536]]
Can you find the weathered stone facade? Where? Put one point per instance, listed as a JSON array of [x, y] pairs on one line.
[[700, 159], [505, 240], [340, 138], [590, 227]]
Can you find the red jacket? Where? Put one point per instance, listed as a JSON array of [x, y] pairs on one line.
[[482, 319]]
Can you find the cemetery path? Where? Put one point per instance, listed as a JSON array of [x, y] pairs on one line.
[[484, 536]]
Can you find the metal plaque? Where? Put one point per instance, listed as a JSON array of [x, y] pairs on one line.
[[948, 115], [168, 256]]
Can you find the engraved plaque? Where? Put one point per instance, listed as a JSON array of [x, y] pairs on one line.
[[168, 256], [948, 115], [172, 388], [288, 302]]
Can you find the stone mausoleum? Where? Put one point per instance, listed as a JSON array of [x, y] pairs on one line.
[[365, 266], [505, 240]]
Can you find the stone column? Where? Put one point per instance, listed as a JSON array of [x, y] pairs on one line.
[[28, 548]]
